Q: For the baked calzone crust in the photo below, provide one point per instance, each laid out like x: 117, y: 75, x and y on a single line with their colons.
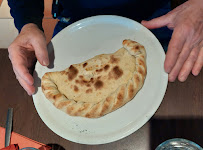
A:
x: 99, y: 85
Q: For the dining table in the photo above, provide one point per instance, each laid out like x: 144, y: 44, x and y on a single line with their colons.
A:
x: 180, y: 115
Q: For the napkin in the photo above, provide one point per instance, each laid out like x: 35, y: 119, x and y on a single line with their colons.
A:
x: 21, y: 141
x: 11, y: 147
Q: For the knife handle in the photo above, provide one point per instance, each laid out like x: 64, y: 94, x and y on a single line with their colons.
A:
x: 8, y: 126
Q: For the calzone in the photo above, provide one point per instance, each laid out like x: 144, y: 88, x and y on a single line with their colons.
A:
x: 99, y: 85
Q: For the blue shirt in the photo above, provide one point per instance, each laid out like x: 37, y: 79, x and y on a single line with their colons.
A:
x: 31, y: 11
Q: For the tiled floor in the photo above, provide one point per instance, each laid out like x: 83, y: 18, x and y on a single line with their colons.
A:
x: 8, y: 30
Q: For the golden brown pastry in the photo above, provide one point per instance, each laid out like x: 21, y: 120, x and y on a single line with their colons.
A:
x: 99, y: 85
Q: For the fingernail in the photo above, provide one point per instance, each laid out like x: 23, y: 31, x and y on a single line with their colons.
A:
x: 45, y: 62
x: 167, y: 70
x: 182, y: 78
x: 28, y: 93
x: 171, y: 78
x: 195, y: 73
x: 143, y: 21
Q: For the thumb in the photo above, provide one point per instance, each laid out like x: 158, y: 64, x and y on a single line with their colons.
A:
x: 41, y: 51
x: 157, y: 22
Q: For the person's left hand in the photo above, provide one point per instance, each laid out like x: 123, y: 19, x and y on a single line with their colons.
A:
x: 185, y: 49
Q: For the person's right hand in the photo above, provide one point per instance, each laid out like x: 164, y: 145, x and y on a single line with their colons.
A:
x: 29, y: 45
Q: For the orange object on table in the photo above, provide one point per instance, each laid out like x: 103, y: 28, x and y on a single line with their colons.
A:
x: 21, y: 141
x: 11, y: 147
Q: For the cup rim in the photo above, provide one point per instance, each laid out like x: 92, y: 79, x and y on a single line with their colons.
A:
x: 178, y: 139
x: 31, y: 148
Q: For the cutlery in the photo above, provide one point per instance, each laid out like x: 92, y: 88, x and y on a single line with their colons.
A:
x: 8, y: 126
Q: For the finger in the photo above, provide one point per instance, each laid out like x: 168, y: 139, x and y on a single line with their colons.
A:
x: 174, y: 48
x: 41, y: 52
x: 30, y: 89
x: 158, y: 22
x: 23, y: 72
x: 198, y: 64
x: 20, y: 67
x: 180, y: 61
x: 188, y: 65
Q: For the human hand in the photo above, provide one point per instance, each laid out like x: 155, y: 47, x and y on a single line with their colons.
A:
x: 185, y: 49
x: 28, y: 45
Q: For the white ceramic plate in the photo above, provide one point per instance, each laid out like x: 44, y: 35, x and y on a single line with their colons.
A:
x: 83, y: 40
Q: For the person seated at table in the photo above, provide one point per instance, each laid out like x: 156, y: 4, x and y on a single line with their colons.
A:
x: 185, y: 48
